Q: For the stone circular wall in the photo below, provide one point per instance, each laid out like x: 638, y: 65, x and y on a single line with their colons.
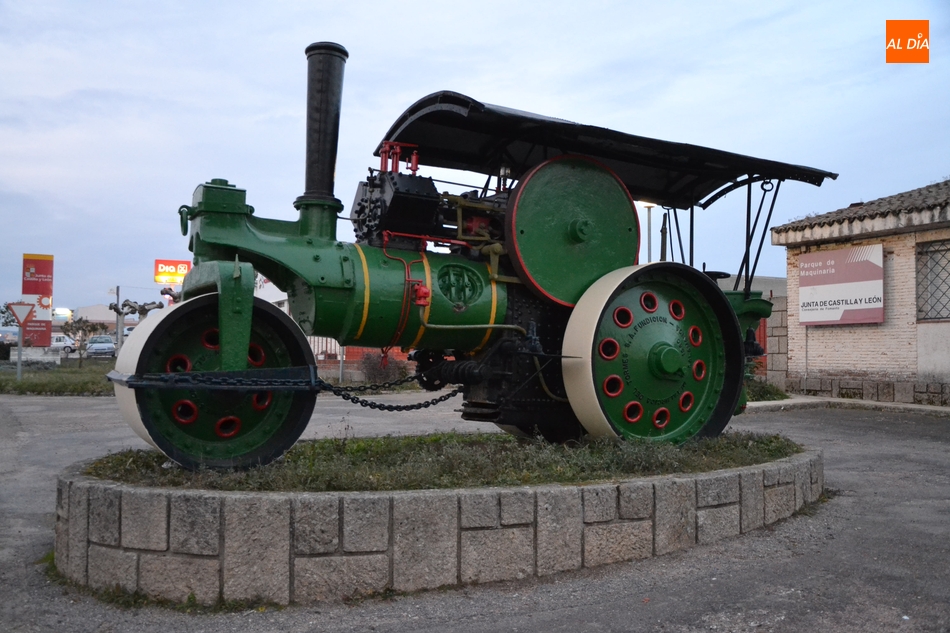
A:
x: 304, y: 547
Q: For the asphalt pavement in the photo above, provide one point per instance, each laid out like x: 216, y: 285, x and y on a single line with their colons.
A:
x: 876, y: 557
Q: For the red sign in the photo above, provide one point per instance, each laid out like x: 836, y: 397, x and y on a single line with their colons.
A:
x: 171, y: 271
x: 39, y: 332
x: 38, y: 275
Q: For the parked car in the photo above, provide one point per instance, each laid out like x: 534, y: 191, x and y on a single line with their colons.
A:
x: 63, y: 343
x: 127, y: 331
x: 100, y: 346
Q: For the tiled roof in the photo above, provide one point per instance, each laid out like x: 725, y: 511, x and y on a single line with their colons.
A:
x: 929, y: 197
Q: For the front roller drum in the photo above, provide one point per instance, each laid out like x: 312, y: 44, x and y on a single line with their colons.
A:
x: 205, y: 428
x: 653, y: 352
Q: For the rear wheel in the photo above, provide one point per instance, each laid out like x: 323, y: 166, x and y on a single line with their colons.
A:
x: 214, y: 428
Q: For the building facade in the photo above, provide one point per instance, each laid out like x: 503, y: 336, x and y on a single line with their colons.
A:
x: 904, y: 358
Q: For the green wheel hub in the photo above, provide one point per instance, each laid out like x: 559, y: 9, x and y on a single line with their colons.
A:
x: 659, y: 355
x: 218, y: 428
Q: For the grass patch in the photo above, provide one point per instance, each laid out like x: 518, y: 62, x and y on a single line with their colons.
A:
x: 90, y: 380
x: 760, y: 391
x: 450, y: 460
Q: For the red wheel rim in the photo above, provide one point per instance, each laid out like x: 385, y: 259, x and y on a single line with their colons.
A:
x: 633, y: 412
x: 648, y: 302
x: 699, y: 370
x: 661, y: 417
x: 609, y: 349
x: 613, y: 386
x: 256, y: 355
x: 686, y: 401
x: 178, y: 363
x: 261, y: 400
x: 211, y: 339
x: 184, y: 412
x: 227, y: 427
x: 623, y: 317
x: 695, y: 336
x: 677, y: 311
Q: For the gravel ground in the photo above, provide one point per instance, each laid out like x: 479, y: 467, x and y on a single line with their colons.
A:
x: 874, y: 558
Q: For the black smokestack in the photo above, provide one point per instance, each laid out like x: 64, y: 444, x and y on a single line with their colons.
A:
x: 325, y: 61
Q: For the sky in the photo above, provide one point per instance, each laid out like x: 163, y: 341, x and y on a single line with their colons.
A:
x: 111, y: 113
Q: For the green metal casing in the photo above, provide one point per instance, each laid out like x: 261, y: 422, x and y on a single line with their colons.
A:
x: 356, y: 294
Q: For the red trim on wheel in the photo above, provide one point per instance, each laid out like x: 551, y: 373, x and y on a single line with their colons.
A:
x: 256, y: 355
x: 686, y: 401
x: 176, y: 363
x: 665, y: 414
x: 623, y: 317
x: 211, y: 339
x: 259, y: 403
x: 184, y: 412
x: 695, y: 336
x: 676, y: 308
x: 699, y: 370
x: 227, y: 427
x: 629, y: 416
x: 649, y: 296
x: 609, y: 349
x: 613, y: 385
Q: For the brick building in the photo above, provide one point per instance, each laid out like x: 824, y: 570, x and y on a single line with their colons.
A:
x: 907, y: 357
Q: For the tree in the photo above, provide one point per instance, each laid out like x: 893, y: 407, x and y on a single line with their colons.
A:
x: 81, y: 328
x: 6, y: 316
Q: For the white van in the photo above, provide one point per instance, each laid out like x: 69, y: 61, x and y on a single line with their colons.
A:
x: 62, y: 343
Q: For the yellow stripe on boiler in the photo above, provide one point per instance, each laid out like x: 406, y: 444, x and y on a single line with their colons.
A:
x: 359, y: 332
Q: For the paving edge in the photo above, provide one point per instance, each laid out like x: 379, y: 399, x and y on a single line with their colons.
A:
x: 817, y: 402
x: 307, y: 547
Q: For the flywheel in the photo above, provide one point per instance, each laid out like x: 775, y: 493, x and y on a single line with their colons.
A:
x: 205, y: 428
x: 653, y: 352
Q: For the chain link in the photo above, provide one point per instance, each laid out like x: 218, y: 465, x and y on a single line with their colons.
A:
x: 187, y: 380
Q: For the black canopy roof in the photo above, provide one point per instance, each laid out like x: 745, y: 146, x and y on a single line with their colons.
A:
x: 457, y: 132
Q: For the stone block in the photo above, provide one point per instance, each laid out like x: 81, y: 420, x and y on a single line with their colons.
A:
x: 615, y: 542
x: 932, y: 399
x: 783, y: 345
x: 817, y: 477
x: 715, y: 524
x: 885, y: 391
x: 104, y: 500
x: 835, y: 388
x: 194, y: 523
x: 934, y: 387
x: 716, y: 489
x: 425, y: 540
x: 366, y: 522
x: 813, y: 384
x: 779, y: 503
x: 753, y: 500
x: 78, y: 531
x: 779, y: 362
x: 145, y: 519
x: 920, y: 387
x: 517, y: 506
x: 870, y: 390
x: 779, y: 305
x: 945, y: 396
x: 802, y: 482
x: 675, y: 521
x: 316, y: 523
x: 780, y: 331
x: 256, y: 557
x: 600, y: 503
x: 780, y: 472
x: 903, y: 392
x: 178, y: 577
x: 852, y: 384
x: 771, y: 346
x: 61, y: 527
x: 110, y: 568
x: 636, y: 500
x: 776, y: 378
x: 335, y: 577
x: 490, y: 555
x: 559, y: 529
x: 479, y: 508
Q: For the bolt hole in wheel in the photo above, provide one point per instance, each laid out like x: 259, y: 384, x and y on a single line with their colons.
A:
x: 623, y: 317
x: 211, y: 339
x: 633, y: 412
x: 609, y: 348
x: 681, y: 366
x: 214, y: 428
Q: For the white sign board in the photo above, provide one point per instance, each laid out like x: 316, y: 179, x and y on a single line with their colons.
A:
x: 842, y: 287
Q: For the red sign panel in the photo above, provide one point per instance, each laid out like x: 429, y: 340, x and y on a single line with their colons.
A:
x: 842, y: 287
x: 38, y: 332
x: 38, y: 275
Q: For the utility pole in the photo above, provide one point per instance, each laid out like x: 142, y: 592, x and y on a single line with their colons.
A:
x: 119, y: 324
x: 649, y: 232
